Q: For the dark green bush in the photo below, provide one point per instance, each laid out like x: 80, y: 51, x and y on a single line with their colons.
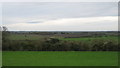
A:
x: 54, y: 44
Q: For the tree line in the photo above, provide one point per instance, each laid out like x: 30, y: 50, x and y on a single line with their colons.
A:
x: 55, y: 44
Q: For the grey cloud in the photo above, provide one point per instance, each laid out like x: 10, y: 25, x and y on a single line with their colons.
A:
x: 53, y: 11
x: 59, y: 9
x: 33, y: 22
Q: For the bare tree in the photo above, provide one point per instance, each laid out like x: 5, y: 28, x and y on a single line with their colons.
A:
x: 4, y: 33
x: 3, y: 28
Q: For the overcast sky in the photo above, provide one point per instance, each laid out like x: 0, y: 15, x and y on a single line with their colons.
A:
x: 59, y: 0
x: 74, y: 16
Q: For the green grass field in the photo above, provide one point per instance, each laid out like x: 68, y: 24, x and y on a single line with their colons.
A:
x: 25, y: 37
x: 60, y: 58
x: 37, y: 37
x: 70, y: 58
x: 115, y: 38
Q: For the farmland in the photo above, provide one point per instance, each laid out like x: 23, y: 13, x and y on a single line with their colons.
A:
x: 24, y: 37
x: 60, y: 49
x: 38, y: 37
x: 115, y: 38
x: 61, y: 58
x: 61, y: 41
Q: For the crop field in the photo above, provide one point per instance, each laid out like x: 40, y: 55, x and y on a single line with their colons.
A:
x: 59, y: 58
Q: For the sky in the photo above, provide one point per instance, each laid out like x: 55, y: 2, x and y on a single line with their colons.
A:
x: 60, y: 16
x: 59, y: 0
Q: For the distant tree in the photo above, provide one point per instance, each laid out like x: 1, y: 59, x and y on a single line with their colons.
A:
x: 4, y: 33
x: 4, y: 28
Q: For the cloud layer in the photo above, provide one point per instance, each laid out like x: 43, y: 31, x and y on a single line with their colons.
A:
x: 86, y: 16
x: 70, y: 24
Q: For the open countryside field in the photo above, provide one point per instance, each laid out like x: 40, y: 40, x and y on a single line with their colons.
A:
x: 39, y: 37
x: 115, y: 38
x: 32, y: 50
x: 59, y: 58
x: 25, y: 37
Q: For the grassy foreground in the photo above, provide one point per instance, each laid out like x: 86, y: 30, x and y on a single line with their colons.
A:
x: 59, y: 58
